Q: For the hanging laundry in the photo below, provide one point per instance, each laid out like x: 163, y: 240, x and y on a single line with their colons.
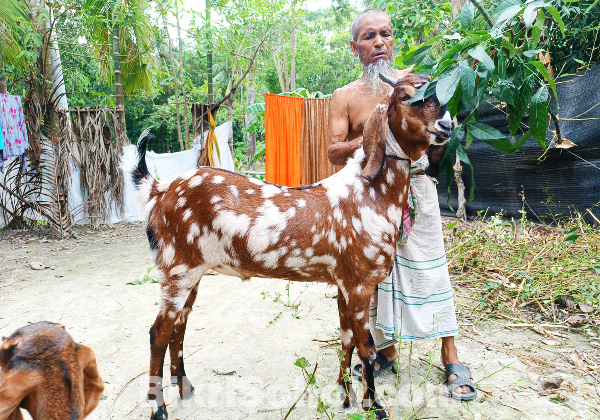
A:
x: 314, y: 141
x: 283, y: 123
x: 13, y: 127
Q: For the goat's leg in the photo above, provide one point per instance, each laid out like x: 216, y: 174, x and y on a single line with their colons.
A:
x: 178, y: 376
x: 358, y: 312
x: 346, y: 334
x: 160, y: 335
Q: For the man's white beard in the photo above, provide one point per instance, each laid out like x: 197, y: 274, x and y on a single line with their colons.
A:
x: 375, y: 85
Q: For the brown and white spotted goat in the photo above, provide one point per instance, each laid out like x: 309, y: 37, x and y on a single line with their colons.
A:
x: 341, y: 231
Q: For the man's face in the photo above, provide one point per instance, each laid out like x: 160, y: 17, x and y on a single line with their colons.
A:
x: 375, y: 40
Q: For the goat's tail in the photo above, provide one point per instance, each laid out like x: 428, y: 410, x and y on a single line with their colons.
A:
x: 143, y: 181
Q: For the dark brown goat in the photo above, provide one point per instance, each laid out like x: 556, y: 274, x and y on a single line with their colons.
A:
x: 48, y: 374
x: 341, y: 231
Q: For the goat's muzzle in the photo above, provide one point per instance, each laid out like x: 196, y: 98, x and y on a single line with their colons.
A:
x: 443, y: 130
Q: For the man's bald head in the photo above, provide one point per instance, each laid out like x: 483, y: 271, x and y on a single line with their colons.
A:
x: 357, y: 22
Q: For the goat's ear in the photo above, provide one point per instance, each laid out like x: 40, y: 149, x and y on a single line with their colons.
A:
x: 375, y: 135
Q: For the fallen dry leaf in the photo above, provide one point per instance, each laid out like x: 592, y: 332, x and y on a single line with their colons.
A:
x: 569, y: 387
x: 576, y: 359
x: 37, y: 266
x: 578, y: 319
x: 585, y: 307
x: 549, y: 342
x: 563, y: 395
x: 548, y: 385
x: 567, y: 301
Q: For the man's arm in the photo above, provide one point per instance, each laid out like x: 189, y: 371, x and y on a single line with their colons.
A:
x: 339, y: 123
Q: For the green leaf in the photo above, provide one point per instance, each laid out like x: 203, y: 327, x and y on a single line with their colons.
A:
x: 467, y: 14
x: 463, y: 45
x: 260, y: 153
x: 462, y: 155
x: 356, y: 416
x: 479, y: 53
x: 510, y: 47
x: 552, y: 10
x: 256, y: 108
x: 503, y: 6
x: 446, y: 86
x: 302, y: 362
x: 531, y: 53
x: 571, y: 239
x: 507, y: 14
x: 491, y: 136
x: 442, y: 67
x: 517, y: 145
x: 516, y: 115
x: 542, y: 69
x: 529, y: 15
x: 538, y: 116
x: 424, y: 92
x: 417, y: 55
x: 469, y: 140
x: 467, y: 78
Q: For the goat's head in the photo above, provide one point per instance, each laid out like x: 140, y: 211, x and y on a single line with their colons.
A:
x: 415, y: 126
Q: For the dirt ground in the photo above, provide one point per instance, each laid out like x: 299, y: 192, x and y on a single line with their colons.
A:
x: 242, y: 342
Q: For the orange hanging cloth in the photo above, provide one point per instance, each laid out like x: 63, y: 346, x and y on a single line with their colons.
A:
x: 283, y: 124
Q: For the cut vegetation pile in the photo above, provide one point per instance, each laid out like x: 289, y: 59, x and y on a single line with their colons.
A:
x: 512, y: 265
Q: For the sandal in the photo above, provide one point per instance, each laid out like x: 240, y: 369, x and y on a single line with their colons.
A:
x: 463, y: 378
x: 384, y: 363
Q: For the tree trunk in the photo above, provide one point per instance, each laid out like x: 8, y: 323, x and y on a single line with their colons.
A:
x: 461, y: 212
x: 277, y: 62
x: 456, y: 7
x: 3, y: 86
x: 176, y: 82
x: 251, y: 136
x: 293, y: 45
x: 58, y: 80
x: 285, y: 62
x: 230, y: 120
x: 119, y: 95
x: 209, y: 69
x: 185, y: 101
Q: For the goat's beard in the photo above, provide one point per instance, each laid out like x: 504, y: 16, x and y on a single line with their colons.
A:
x: 375, y: 86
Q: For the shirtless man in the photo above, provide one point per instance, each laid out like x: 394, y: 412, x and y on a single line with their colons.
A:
x: 349, y: 109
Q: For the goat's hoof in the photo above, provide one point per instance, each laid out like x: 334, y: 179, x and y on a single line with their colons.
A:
x: 160, y: 413
x: 380, y: 412
x: 186, y: 389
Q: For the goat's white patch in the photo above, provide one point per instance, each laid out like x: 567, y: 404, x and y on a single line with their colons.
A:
x: 234, y: 191
x: 366, y: 327
x: 168, y: 254
x: 360, y: 315
x: 218, y: 179
x: 370, y: 251
x: 380, y: 260
x: 359, y: 289
x: 162, y: 186
x: 197, y: 180
x: 180, y: 353
x: 295, y: 262
x: 214, y: 249
x: 231, y: 224
x: 268, y: 226
x: 383, y: 188
x: 301, y: 202
x: 295, y: 252
x: 309, y: 252
x: 149, y: 206
x: 316, y: 239
x: 188, y: 174
x: 215, y: 199
x: 340, y: 285
x: 293, y: 243
x: 180, y: 202
x: 256, y: 181
x: 343, y: 243
x: 404, y: 124
x: 372, y: 193
x: 337, y: 214
x: 346, y: 336
x: 332, y: 236
x: 375, y: 224
x: 432, y: 138
x: 178, y: 270
x: 269, y: 190
x: 287, y: 194
x: 186, y: 214
x: 389, y: 177
x: 357, y: 225
x: 271, y: 259
x: 193, y: 232
x: 250, y: 191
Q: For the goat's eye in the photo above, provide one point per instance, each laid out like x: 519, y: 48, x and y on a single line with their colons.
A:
x: 405, y: 98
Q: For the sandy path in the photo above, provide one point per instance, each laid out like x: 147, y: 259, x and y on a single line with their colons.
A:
x: 241, y: 365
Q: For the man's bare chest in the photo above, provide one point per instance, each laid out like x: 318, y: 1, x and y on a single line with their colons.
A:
x: 359, y: 112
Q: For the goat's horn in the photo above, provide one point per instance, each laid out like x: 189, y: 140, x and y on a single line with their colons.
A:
x: 389, y: 80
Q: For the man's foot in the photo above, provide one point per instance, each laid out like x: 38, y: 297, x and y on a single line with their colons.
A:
x: 385, y: 358
x: 450, y: 356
